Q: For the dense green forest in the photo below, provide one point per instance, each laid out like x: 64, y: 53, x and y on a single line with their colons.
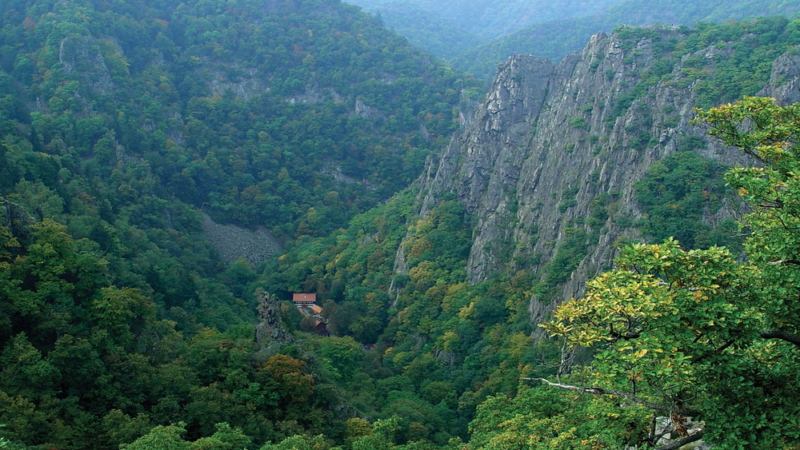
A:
x: 265, y: 108
x: 122, y: 121
x: 558, y: 38
x: 477, y: 338
x: 436, y: 34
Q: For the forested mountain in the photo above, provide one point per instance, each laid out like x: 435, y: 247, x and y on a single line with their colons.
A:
x: 557, y: 38
x: 561, y: 167
x: 436, y: 34
x: 449, y: 28
x: 121, y: 122
x: 437, y: 227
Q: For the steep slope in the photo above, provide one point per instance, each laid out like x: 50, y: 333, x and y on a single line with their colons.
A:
x: 241, y: 107
x: 549, y: 167
x: 556, y: 168
x: 121, y: 124
x: 558, y: 38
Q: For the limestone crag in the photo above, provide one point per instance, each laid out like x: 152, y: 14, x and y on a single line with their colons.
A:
x: 84, y: 56
x: 270, y: 334
x: 784, y: 84
x: 549, y: 140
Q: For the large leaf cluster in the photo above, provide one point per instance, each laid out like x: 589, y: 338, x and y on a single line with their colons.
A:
x: 699, y: 333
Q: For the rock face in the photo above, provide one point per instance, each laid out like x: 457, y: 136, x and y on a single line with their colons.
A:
x: 784, y: 83
x: 666, y: 427
x: 84, y: 56
x: 15, y: 219
x: 270, y: 332
x: 549, y: 140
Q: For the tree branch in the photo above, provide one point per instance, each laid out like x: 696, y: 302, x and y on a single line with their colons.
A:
x: 681, y: 442
x: 697, y: 359
x: 601, y: 391
x: 783, y: 261
x: 626, y: 336
x: 782, y: 335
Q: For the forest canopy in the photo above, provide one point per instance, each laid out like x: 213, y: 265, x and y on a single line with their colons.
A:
x: 701, y: 336
x: 123, y: 122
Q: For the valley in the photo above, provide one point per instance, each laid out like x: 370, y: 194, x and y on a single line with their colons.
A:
x: 279, y: 225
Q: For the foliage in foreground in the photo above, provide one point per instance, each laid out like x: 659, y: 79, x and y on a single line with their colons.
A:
x: 443, y: 345
x: 698, y: 334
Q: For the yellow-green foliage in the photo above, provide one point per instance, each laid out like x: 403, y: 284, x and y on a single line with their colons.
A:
x: 699, y: 333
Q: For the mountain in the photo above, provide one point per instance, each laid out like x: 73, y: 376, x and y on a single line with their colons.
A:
x: 303, y: 71
x: 451, y: 28
x: 488, y: 19
x: 436, y: 34
x: 555, y: 39
x: 558, y: 168
x: 133, y: 134
x: 156, y: 155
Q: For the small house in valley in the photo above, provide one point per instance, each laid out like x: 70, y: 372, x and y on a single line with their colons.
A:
x: 301, y: 300
x: 306, y: 304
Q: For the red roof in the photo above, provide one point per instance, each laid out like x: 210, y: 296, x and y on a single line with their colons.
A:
x: 304, y: 298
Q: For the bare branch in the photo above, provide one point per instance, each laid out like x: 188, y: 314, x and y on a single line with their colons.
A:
x: 782, y: 335
x: 674, y: 445
x: 690, y: 289
x: 786, y: 226
x: 601, y: 391
x: 783, y: 261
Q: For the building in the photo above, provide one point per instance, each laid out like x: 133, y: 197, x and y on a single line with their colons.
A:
x: 301, y: 300
x: 306, y: 305
x: 322, y: 328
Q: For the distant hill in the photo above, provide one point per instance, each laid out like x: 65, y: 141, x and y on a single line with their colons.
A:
x: 447, y: 29
x: 432, y: 32
x: 556, y: 39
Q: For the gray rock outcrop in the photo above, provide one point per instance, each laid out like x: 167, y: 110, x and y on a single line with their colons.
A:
x: 233, y: 243
x: 83, y: 56
x: 270, y: 334
x: 549, y: 140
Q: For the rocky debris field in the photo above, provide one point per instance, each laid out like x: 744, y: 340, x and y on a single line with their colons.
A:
x: 232, y: 242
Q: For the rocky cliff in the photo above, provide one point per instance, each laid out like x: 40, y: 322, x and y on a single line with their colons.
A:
x: 270, y: 334
x: 550, y: 158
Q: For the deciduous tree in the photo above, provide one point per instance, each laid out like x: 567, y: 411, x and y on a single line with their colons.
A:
x: 699, y: 334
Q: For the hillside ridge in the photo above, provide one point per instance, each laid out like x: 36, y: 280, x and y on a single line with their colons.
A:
x: 548, y: 142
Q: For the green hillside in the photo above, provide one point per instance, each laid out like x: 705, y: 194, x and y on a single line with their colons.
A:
x: 438, y: 334
x: 429, y: 31
x: 556, y: 39
x: 123, y: 122
x: 449, y: 29
x: 487, y: 19
x: 119, y: 122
